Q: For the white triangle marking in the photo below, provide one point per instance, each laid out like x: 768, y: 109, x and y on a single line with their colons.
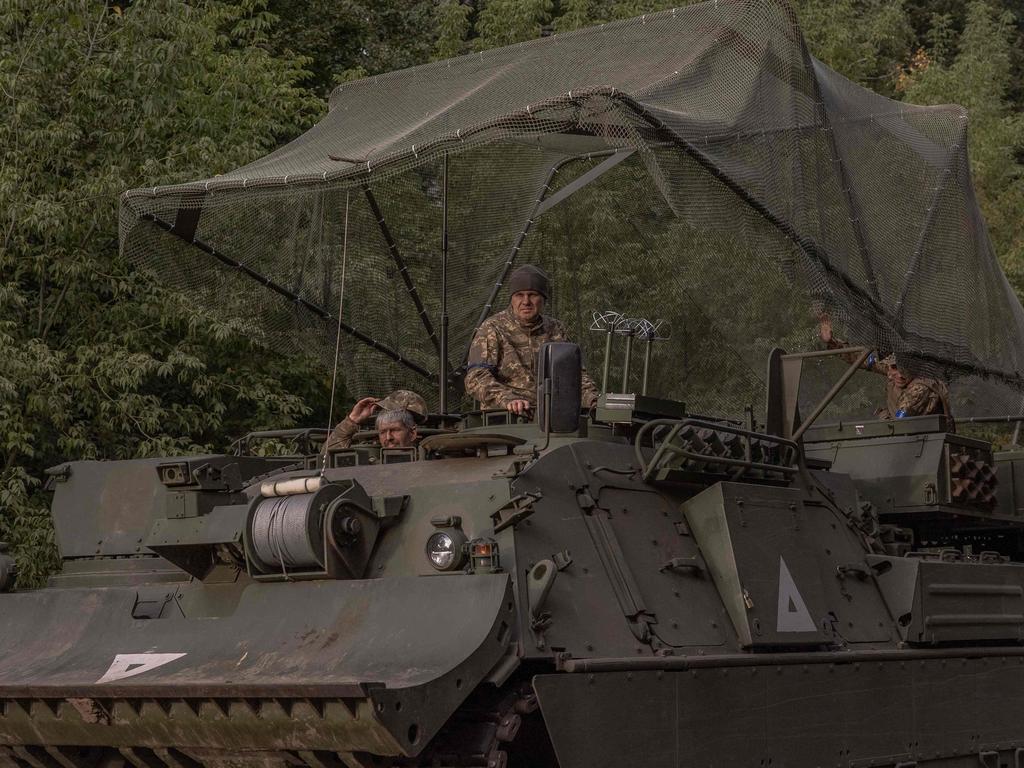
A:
x: 793, y: 615
x: 131, y: 664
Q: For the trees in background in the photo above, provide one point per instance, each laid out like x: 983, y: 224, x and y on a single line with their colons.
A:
x: 969, y: 52
x: 98, y: 361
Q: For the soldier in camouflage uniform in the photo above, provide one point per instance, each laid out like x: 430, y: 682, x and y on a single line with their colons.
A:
x: 502, y: 357
x: 398, y: 415
x: 905, y: 395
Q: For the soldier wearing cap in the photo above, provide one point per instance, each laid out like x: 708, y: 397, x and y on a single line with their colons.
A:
x: 398, y: 416
x: 905, y: 394
x: 500, y: 373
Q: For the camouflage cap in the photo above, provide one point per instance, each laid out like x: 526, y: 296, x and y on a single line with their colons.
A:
x: 407, y: 400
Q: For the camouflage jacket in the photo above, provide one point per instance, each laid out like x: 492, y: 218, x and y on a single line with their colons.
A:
x: 502, y: 358
x: 921, y: 396
x: 342, y: 435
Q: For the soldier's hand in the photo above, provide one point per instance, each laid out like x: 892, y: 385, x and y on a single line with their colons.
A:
x: 363, y: 409
x: 518, y: 407
x: 825, y: 328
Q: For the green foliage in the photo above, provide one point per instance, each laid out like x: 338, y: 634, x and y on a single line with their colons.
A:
x: 350, y: 39
x: 862, y: 39
x: 96, y: 361
x: 503, y: 22
x: 980, y: 77
x: 452, y: 25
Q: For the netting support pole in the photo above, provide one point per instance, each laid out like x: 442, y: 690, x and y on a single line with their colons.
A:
x: 648, y: 348
x: 915, y: 259
x: 607, y: 359
x: 515, y: 248
x: 442, y: 375
x: 626, y: 361
x: 862, y: 355
x: 403, y: 269
x: 805, y: 244
x: 615, y: 156
x: 852, y: 206
x: 279, y: 289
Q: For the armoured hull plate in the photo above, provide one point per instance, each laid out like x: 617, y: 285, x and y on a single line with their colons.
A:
x: 889, y: 712
x: 339, y: 665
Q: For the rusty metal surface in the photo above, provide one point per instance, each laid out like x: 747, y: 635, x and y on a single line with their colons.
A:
x: 398, y: 632
x: 377, y: 665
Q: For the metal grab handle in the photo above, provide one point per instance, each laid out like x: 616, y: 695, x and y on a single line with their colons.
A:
x: 648, y: 469
x: 302, y: 437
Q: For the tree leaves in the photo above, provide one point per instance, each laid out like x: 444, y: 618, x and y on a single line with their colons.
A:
x: 96, y: 360
x: 980, y: 77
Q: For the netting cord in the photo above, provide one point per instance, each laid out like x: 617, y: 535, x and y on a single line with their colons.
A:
x: 337, y: 339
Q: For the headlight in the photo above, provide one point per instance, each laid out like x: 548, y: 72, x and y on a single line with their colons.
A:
x: 445, y: 550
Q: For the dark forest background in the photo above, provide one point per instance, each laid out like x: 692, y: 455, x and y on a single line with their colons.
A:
x: 98, y: 362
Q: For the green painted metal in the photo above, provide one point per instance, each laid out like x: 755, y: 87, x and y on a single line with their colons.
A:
x: 608, y: 591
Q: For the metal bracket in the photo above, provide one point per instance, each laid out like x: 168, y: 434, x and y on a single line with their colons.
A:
x: 857, y: 570
x: 58, y: 474
x: 583, y: 180
x: 562, y: 560
x: 686, y: 564
x: 388, y: 508
x: 784, y: 371
x: 515, y: 510
x: 150, y: 603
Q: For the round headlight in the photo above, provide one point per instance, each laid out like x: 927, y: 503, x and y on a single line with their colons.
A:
x: 445, y: 550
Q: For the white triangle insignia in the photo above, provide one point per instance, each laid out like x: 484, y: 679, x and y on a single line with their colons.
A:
x: 131, y: 664
x: 793, y: 614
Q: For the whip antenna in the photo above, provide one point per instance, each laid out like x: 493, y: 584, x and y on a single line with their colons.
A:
x: 443, y: 352
x: 337, y: 338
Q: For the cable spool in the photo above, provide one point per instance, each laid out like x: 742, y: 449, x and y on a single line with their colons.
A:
x: 287, y: 532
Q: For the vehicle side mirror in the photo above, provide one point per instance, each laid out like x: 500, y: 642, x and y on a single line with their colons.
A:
x: 560, y: 363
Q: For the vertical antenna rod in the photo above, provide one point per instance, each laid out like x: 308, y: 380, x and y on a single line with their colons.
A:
x: 443, y: 352
x: 607, y: 358
x: 629, y: 354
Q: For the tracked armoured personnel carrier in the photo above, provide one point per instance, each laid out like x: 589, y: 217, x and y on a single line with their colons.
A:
x: 635, y: 584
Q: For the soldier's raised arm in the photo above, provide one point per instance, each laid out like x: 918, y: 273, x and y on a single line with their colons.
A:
x: 341, y: 436
x: 873, y: 363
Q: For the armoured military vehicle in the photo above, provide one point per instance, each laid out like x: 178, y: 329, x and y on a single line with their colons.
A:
x: 636, y: 584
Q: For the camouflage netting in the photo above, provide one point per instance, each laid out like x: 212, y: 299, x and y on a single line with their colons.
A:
x: 721, y: 179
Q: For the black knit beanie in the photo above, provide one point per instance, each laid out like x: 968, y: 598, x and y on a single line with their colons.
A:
x: 529, y: 278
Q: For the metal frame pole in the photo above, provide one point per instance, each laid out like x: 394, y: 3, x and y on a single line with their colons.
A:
x: 830, y: 396
x: 647, y: 362
x: 607, y: 359
x: 291, y: 296
x: 626, y: 362
x: 403, y: 269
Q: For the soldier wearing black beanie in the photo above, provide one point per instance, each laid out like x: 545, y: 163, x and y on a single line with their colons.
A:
x: 529, y: 278
x: 500, y: 374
